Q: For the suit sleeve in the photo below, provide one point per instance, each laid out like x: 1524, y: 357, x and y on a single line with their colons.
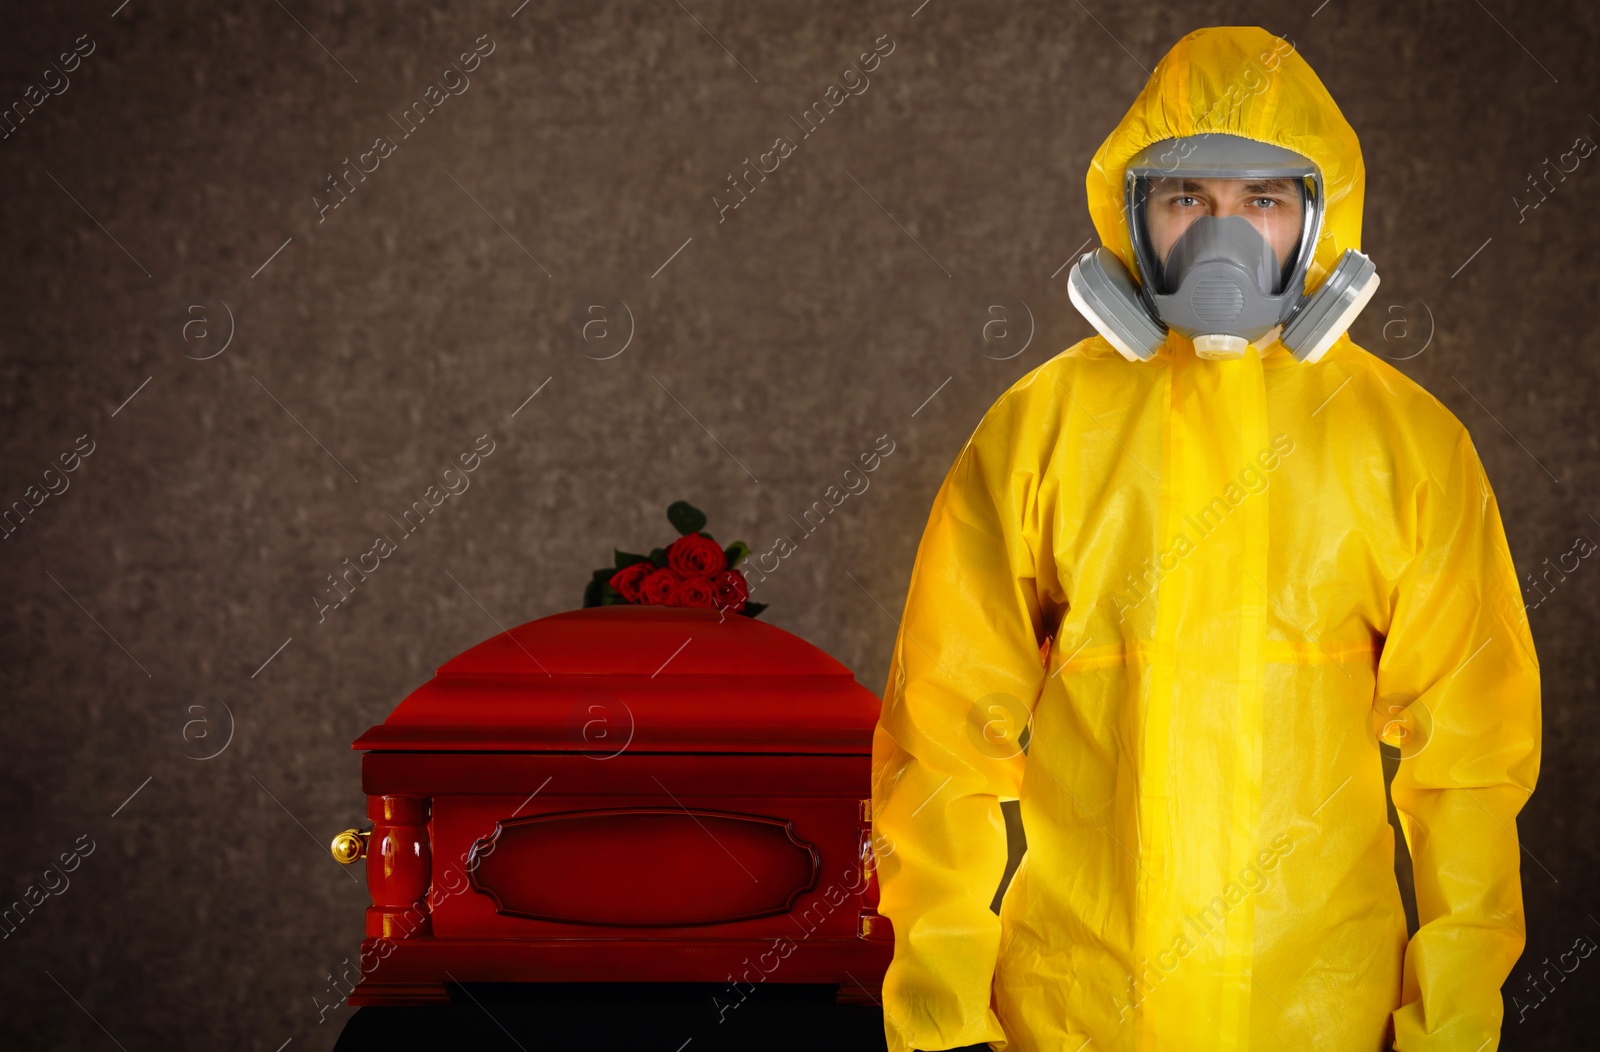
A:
x: 1460, y: 676
x: 965, y: 674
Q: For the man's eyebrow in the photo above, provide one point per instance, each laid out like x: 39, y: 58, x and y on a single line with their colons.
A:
x: 1268, y: 186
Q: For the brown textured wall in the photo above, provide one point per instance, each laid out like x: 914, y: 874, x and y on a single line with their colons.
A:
x: 181, y: 170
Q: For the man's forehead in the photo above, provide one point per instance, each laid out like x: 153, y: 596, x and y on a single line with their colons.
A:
x: 1248, y: 186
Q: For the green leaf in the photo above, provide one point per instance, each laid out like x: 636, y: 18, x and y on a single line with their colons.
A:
x: 591, y: 594
x: 752, y: 609
x: 735, y: 552
x: 626, y: 559
x: 605, y: 573
x: 685, y: 517
x: 658, y: 556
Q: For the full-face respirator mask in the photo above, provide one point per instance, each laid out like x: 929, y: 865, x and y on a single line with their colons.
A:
x: 1222, y: 284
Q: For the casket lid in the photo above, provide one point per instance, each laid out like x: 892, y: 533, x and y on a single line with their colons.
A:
x: 650, y: 678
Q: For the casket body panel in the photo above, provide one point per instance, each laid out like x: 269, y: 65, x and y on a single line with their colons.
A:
x: 629, y: 794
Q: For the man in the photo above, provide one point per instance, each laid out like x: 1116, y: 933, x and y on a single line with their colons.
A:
x: 1178, y: 585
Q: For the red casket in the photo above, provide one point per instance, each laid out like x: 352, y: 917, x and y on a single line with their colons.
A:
x: 628, y: 794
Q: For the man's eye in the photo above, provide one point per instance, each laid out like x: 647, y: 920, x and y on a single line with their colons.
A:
x: 1185, y: 201
x: 1266, y: 202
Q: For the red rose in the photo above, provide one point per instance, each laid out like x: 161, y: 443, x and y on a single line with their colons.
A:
x: 627, y: 580
x: 660, y: 586
x: 730, y: 589
x: 696, y: 591
x: 694, y: 555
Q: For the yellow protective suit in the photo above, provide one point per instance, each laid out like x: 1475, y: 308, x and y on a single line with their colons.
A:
x: 1207, y: 589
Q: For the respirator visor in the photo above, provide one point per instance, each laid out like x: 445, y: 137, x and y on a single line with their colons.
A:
x: 1223, y: 228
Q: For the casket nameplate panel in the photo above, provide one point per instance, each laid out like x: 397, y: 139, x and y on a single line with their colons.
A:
x: 643, y: 867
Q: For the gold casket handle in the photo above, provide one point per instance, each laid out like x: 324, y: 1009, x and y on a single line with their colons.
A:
x: 350, y: 846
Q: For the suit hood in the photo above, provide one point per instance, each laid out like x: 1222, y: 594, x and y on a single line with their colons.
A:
x: 1238, y: 80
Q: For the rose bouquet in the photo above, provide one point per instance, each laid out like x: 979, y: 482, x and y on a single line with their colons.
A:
x: 693, y: 570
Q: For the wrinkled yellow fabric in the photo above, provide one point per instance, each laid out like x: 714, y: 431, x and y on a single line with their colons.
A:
x: 1206, y: 588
